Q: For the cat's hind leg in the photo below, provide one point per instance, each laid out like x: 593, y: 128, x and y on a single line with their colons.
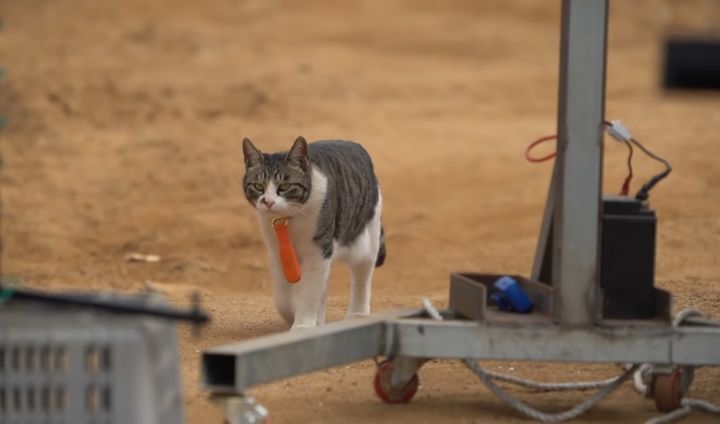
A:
x: 361, y: 273
x: 362, y: 260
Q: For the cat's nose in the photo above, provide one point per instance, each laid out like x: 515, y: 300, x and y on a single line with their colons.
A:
x: 268, y: 203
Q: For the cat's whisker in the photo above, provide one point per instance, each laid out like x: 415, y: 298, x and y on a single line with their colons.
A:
x: 302, y: 210
x: 299, y: 212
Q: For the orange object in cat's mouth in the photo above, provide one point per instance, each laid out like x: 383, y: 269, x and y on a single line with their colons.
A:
x: 288, y: 257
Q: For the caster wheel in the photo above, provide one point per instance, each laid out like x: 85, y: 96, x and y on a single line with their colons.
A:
x: 384, y: 389
x: 667, y: 391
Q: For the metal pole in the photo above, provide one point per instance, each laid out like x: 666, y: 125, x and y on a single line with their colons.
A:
x: 579, y: 161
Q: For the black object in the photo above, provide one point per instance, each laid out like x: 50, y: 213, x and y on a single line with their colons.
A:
x: 692, y: 63
x: 627, y: 262
x: 644, y: 191
x: 122, y: 306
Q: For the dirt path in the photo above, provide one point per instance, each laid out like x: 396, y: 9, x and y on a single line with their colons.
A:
x: 125, y: 121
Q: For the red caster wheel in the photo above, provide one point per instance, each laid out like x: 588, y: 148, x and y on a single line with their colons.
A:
x: 384, y: 389
x: 667, y: 391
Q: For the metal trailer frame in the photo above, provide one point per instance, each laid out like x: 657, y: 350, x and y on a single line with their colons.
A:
x: 566, y: 326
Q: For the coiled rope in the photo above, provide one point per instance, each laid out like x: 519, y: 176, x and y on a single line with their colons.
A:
x: 641, y: 375
x: 606, y: 386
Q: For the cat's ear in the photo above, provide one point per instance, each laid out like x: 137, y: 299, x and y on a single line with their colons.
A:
x: 253, y: 156
x: 298, y: 153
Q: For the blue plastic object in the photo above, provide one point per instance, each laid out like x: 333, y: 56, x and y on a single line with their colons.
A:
x: 510, y: 297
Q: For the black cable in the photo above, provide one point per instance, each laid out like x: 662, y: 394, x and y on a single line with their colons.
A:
x: 644, y: 191
x: 122, y: 306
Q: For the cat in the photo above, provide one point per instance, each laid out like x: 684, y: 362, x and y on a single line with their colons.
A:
x: 330, y: 193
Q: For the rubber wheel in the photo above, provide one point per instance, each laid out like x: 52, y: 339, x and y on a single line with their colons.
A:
x: 667, y: 391
x: 389, y: 394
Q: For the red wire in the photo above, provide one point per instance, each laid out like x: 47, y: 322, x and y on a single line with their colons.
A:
x: 626, y: 184
x: 535, y: 143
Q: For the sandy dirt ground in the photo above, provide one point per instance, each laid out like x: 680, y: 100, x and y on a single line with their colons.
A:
x: 124, y: 127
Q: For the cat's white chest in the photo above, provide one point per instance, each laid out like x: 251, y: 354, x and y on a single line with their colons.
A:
x: 301, y: 226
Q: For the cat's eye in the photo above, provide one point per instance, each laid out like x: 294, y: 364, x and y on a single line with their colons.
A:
x: 259, y: 187
x: 284, y: 187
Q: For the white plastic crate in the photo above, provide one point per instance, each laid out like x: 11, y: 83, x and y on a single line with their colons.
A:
x: 60, y: 365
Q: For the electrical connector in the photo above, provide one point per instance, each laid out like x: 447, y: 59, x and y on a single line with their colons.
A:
x: 619, y: 132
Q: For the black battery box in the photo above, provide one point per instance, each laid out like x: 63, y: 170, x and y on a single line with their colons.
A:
x: 627, y: 258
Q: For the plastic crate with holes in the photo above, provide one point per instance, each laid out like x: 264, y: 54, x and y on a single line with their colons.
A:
x: 62, y: 364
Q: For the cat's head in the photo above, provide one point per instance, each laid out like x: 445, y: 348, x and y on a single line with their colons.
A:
x: 277, y: 183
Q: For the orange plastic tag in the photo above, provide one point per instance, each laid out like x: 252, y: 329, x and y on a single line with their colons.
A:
x: 288, y: 257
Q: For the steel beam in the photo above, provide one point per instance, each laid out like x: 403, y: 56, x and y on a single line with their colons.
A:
x: 232, y: 368
x: 513, y: 341
x: 579, y: 161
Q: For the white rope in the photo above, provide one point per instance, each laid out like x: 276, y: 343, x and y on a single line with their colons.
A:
x: 531, y: 412
x: 552, y: 387
x: 430, y: 309
x: 606, y: 386
x: 641, y: 379
x: 687, y: 407
x: 683, y: 315
x: 670, y: 416
x: 643, y: 376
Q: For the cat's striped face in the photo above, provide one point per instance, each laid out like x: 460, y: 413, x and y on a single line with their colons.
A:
x: 277, y: 183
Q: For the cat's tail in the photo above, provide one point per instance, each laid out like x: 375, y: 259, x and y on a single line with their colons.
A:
x: 381, y: 251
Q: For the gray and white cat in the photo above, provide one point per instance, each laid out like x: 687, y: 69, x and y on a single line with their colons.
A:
x: 329, y: 192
